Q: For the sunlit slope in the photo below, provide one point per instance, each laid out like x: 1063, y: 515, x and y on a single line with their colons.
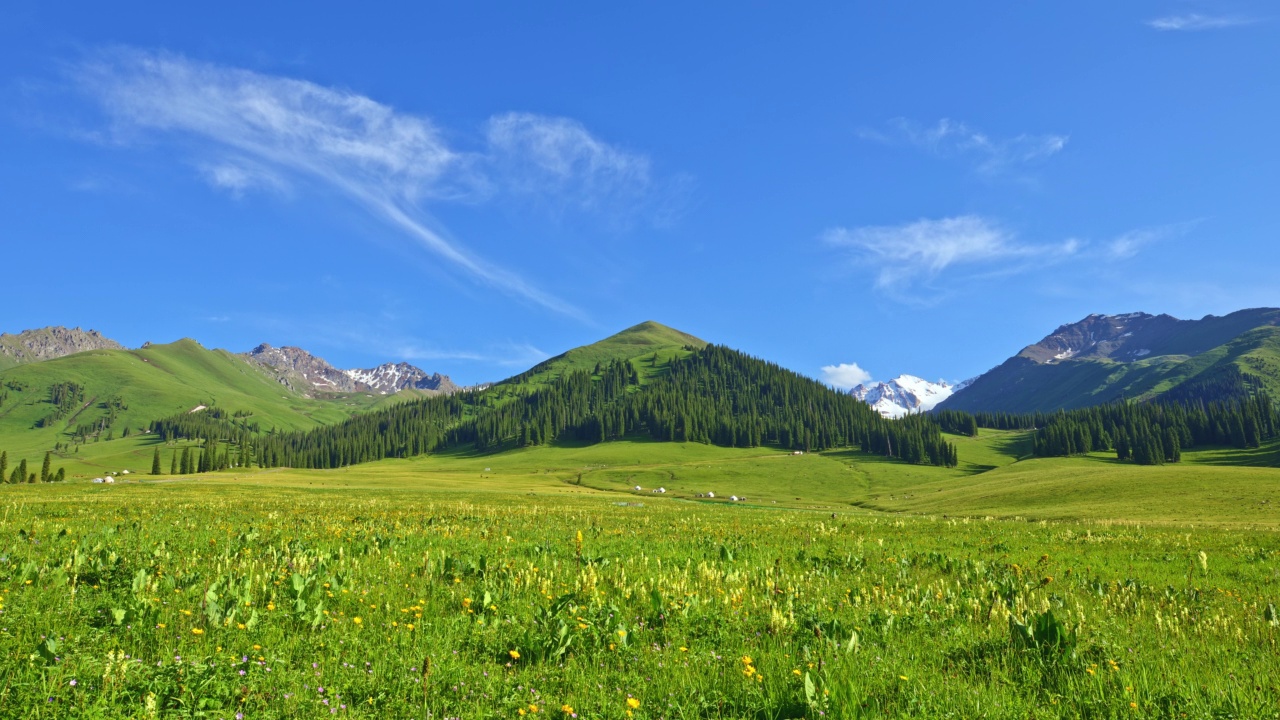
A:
x: 148, y: 384
x: 1021, y: 385
x: 638, y: 343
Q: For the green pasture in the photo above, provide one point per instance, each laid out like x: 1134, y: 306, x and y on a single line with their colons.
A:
x: 424, y: 589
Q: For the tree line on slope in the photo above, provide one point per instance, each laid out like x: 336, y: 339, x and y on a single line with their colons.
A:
x: 714, y: 395
x: 1156, y: 433
x: 22, y: 473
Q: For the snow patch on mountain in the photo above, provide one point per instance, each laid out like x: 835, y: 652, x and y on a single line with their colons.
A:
x: 904, y: 394
x: 394, y: 377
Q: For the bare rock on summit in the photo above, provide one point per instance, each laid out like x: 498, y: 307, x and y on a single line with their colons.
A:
x: 305, y: 373
x: 50, y: 343
x: 394, y: 377
x: 301, y: 371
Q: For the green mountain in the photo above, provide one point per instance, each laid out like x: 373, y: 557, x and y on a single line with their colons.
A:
x: 1104, y: 358
x: 107, y: 394
x: 639, y: 343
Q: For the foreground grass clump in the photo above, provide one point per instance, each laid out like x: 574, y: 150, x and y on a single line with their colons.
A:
x: 210, y: 601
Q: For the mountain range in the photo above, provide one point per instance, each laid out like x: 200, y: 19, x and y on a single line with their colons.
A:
x: 294, y: 367
x: 59, y: 385
x: 1138, y: 356
x: 303, y: 372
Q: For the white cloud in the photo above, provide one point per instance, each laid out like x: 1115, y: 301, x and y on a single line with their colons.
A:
x: 948, y: 138
x: 920, y: 251
x: 845, y: 375
x: 545, y: 153
x: 1130, y: 243
x: 1195, y: 21
x: 266, y: 132
x: 238, y: 178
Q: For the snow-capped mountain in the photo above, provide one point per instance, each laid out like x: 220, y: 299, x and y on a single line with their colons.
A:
x: 903, y: 395
x: 394, y: 377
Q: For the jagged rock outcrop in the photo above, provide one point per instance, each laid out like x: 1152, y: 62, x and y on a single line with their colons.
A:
x: 50, y: 343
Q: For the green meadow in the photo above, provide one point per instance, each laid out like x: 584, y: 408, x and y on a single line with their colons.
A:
x: 539, y: 582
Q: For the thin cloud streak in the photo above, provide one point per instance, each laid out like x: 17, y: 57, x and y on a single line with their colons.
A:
x: 918, y: 252
x: 949, y: 138
x: 268, y: 131
x: 1193, y: 22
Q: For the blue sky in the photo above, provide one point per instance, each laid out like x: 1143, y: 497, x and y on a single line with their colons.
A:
x: 908, y: 188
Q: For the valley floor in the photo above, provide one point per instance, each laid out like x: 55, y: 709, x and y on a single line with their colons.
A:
x: 996, y: 478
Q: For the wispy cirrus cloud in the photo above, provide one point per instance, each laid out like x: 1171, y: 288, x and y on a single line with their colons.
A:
x: 1191, y: 22
x: 917, y: 262
x: 917, y: 253
x: 251, y: 131
x: 1130, y: 243
x: 844, y: 375
x: 990, y: 156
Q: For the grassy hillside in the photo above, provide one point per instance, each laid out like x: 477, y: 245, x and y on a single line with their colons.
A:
x: 1021, y: 385
x: 638, y: 343
x: 145, y: 385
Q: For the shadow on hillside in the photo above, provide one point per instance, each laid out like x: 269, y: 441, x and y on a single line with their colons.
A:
x: 1017, y: 447
x: 1265, y: 456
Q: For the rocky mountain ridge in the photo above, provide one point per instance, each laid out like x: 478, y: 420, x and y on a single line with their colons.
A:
x: 305, y: 373
x: 50, y: 343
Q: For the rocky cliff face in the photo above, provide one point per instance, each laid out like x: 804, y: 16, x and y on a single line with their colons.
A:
x: 51, y: 342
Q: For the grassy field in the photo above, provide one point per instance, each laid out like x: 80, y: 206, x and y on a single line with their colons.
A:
x: 539, y: 580
x: 435, y: 588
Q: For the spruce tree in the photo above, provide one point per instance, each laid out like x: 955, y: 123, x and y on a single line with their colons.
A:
x: 46, y: 467
x: 173, y: 463
x: 155, y: 462
x: 4, y: 465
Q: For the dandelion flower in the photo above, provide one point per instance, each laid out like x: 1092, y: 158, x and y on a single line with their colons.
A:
x: 197, y: 631
x: 902, y: 678
x: 633, y: 703
x: 567, y: 709
x: 515, y: 655
x: 357, y: 620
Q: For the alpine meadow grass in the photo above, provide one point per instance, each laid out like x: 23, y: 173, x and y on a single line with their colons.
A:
x: 223, y: 601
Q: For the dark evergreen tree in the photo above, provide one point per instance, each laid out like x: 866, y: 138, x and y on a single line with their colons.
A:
x: 155, y: 462
x: 46, y: 467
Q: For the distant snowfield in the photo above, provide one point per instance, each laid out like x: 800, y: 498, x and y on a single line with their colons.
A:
x: 903, y: 395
